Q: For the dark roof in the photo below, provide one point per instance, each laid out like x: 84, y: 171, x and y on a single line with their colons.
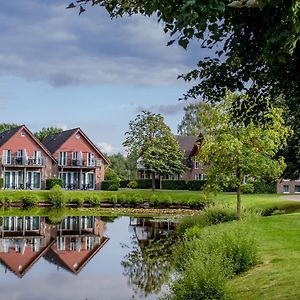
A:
x: 6, y: 135
x: 186, y: 143
x: 53, y: 142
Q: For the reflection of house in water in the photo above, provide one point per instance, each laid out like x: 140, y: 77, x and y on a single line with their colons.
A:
x: 23, y: 241
x: 78, y: 239
x: 70, y: 245
x: 150, y: 229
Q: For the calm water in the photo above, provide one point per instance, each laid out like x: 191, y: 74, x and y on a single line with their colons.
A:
x: 83, y: 258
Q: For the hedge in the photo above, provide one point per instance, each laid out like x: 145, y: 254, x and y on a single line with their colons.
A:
x: 264, y: 187
x: 51, y: 182
x: 123, y: 183
x: 1, y: 183
x: 174, y: 184
x: 107, y: 183
x: 195, y: 185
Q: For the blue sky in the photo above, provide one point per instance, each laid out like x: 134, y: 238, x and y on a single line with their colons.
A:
x: 88, y: 71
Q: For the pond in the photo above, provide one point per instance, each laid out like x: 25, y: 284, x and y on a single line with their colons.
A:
x: 84, y: 257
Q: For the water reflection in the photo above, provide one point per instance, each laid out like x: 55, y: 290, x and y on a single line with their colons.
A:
x: 70, y: 257
x: 149, y: 263
x: 69, y: 245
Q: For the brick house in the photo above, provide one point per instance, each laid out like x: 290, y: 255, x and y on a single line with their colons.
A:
x: 25, y: 161
x: 194, y: 171
x: 287, y: 186
x: 80, y: 164
x: 70, y: 245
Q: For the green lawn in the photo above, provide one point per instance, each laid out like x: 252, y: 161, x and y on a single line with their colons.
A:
x: 277, y: 277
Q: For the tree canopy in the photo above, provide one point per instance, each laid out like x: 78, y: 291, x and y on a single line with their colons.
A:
x: 191, y: 123
x: 151, y: 141
x: 232, y: 150
x: 44, y: 132
x: 7, y: 126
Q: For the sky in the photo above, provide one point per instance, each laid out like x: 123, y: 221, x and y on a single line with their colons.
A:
x: 61, y: 69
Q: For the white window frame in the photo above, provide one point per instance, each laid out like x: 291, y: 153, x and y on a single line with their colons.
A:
x: 63, y: 158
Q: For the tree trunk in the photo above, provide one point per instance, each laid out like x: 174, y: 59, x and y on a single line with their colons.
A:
x: 153, y: 181
x: 238, y: 202
x: 160, y: 182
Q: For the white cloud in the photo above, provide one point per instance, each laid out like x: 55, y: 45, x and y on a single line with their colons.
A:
x: 44, y: 41
x: 107, y: 148
x: 63, y: 126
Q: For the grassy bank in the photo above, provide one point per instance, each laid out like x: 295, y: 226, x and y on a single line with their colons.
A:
x: 276, y: 277
x: 127, y: 198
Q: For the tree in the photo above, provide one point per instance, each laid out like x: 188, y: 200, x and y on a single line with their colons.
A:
x: 44, y: 132
x: 254, y: 49
x: 191, y: 123
x: 151, y: 141
x: 121, y: 165
x: 232, y: 150
x: 7, y: 126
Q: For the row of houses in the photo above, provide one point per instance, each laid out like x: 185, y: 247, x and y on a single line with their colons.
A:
x: 70, y: 245
x: 26, y: 162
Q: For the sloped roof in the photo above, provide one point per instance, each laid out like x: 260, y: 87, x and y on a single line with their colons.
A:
x: 186, y: 143
x: 54, y: 141
x: 6, y: 135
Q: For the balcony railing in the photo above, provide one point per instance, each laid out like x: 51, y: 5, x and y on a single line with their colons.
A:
x: 23, y: 161
x: 92, y: 163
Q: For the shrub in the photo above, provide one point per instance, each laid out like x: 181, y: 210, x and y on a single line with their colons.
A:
x: 29, y: 200
x: 113, y: 199
x: 113, y: 187
x: 166, y: 200
x: 264, y: 187
x: 174, y: 184
x: 153, y: 200
x: 124, y: 183
x: 57, y: 196
x: 195, y: 185
x: 107, y: 183
x: 132, y: 184
x: 147, y: 183
x: 209, y: 258
x: 247, y: 188
x: 51, y: 182
x: 1, y: 182
x: 93, y: 200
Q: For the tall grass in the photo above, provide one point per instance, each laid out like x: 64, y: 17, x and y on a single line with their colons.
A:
x: 208, y: 257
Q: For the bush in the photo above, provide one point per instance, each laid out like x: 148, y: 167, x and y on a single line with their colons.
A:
x: 29, y: 200
x: 51, y: 182
x: 57, y: 197
x: 132, y: 184
x: 195, y: 185
x: 147, y: 183
x: 107, y: 183
x: 113, y: 187
x: 213, y: 255
x: 1, y: 182
x: 247, y: 188
x: 173, y: 184
x: 93, y: 200
x: 153, y: 200
x: 124, y: 183
x: 264, y: 187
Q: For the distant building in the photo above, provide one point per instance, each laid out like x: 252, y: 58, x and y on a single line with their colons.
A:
x: 194, y: 170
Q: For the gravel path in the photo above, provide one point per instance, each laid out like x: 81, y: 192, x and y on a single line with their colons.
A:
x: 291, y: 197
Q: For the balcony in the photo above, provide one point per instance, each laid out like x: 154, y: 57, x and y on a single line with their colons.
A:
x: 21, y: 161
x: 80, y: 163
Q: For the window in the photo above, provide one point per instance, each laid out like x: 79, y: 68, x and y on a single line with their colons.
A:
x: 37, y: 157
x: 286, y: 188
x: 91, y: 159
x: 6, y: 158
x: 297, y: 188
x: 36, y: 180
x: 196, y: 164
x: 91, y: 180
x: 63, y: 158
